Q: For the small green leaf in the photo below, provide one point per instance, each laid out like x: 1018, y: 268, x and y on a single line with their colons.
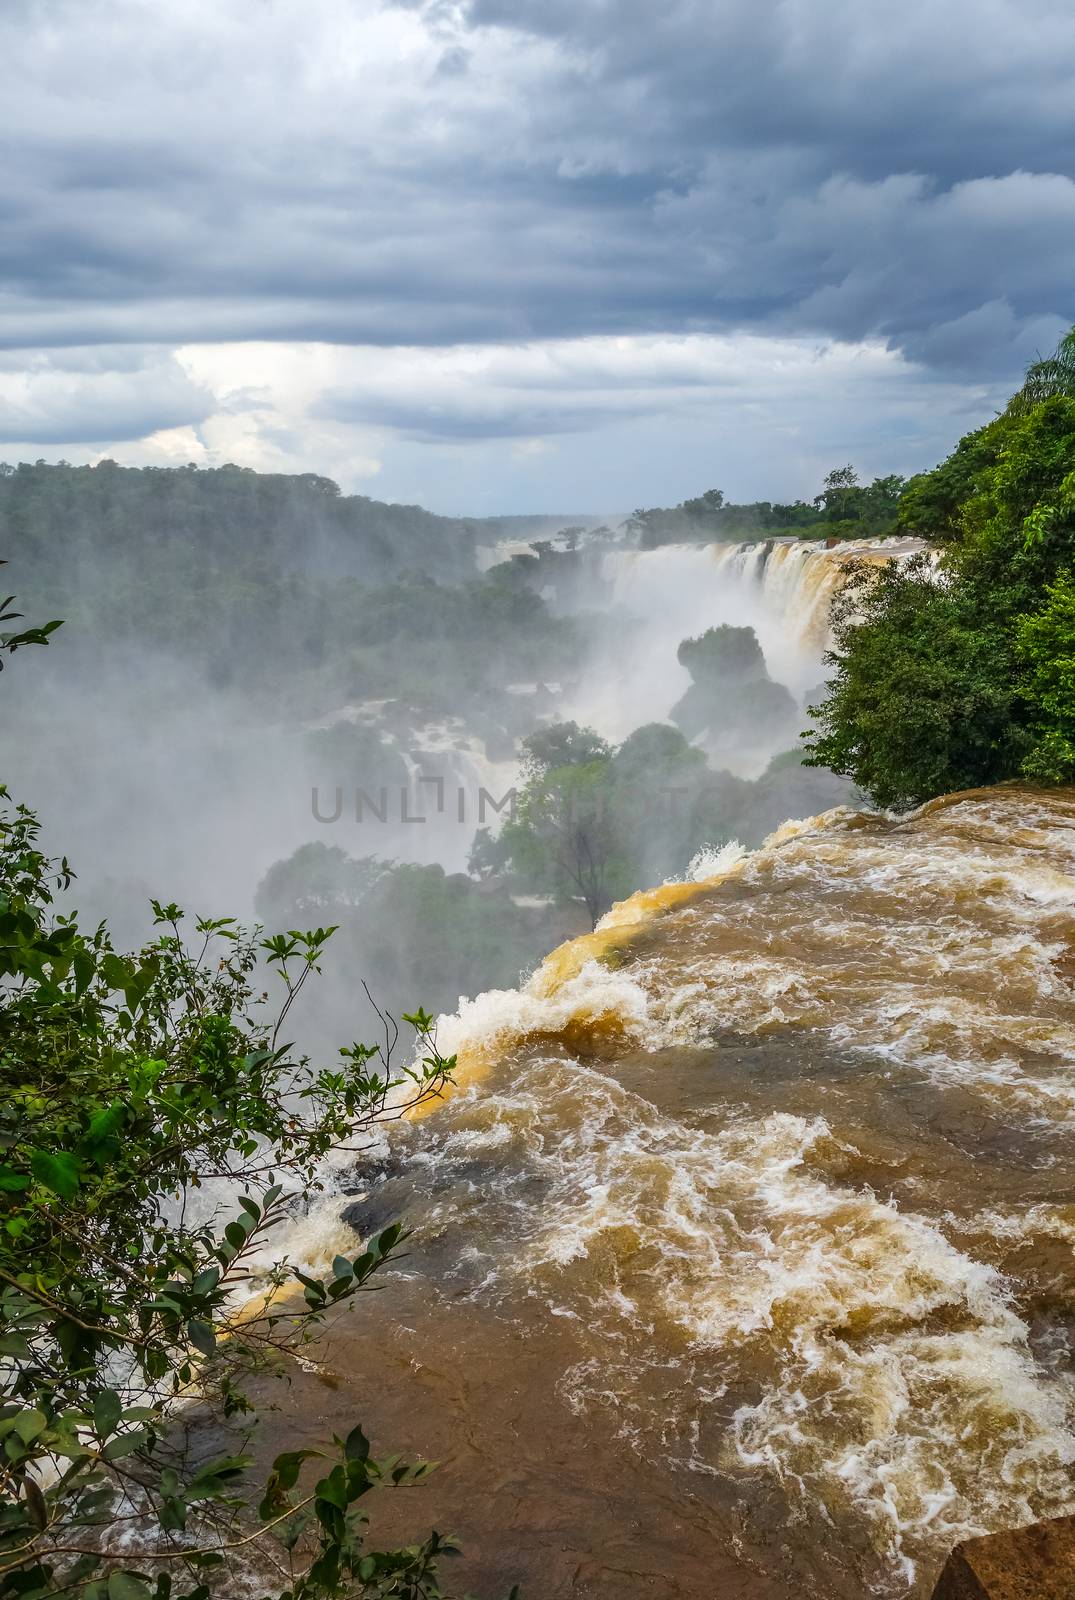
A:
x: 236, y: 1235
x: 105, y: 1125
x: 124, y: 1444
x: 107, y: 1410
x: 215, y: 1476
x: 201, y: 1336
x: 356, y: 1446
x: 127, y: 1586
x: 333, y: 1489
x: 173, y: 1514
x: 28, y: 1424
x: 57, y: 1172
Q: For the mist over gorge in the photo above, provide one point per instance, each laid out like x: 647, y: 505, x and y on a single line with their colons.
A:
x: 321, y: 674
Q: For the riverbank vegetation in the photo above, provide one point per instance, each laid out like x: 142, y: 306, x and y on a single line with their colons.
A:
x: 960, y: 671
x: 843, y: 509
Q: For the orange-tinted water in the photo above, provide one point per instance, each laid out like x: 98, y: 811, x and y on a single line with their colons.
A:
x: 744, y: 1250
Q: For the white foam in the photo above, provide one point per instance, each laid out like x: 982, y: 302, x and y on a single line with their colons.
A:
x: 500, y: 1018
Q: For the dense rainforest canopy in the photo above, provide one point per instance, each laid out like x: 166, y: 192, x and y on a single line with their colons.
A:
x: 273, y: 584
x: 844, y: 509
x: 960, y: 671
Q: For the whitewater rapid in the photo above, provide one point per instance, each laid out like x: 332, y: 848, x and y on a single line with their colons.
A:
x: 768, y: 1183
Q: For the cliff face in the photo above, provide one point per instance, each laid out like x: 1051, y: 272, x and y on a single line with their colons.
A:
x: 767, y: 1183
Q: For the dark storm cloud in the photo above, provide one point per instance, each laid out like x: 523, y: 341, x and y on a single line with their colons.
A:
x: 952, y: 88
x: 533, y: 168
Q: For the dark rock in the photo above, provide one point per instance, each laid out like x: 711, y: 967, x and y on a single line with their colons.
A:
x: 1034, y: 1563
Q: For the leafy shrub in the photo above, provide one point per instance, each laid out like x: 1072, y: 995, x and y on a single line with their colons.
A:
x: 155, y: 1133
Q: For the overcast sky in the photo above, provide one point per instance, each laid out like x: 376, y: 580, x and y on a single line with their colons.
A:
x: 508, y: 255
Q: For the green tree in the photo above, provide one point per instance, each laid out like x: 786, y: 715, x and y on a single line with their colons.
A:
x: 563, y: 841
x: 732, y: 693
x: 317, y: 879
x: 1045, y: 644
x: 854, y: 510
x: 661, y: 800
x: 721, y: 653
x: 594, y: 828
x: 707, y: 505
x: 563, y: 744
x: 1049, y: 376
x: 405, y: 927
x: 952, y: 675
x: 922, y: 697
x: 132, y: 1085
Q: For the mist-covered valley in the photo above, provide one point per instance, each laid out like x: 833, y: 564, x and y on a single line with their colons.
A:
x: 272, y: 701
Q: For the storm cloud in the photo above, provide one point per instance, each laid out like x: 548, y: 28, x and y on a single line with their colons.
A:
x: 514, y: 173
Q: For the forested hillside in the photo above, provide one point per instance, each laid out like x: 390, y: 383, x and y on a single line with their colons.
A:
x: 266, y: 582
x: 844, y: 508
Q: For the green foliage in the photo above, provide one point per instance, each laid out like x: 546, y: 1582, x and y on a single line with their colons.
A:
x: 732, y: 694
x: 708, y: 504
x: 957, y: 675
x: 563, y: 840
x: 563, y: 744
x: 276, y: 585
x: 845, y: 509
x: 402, y: 924
x: 922, y: 698
x: 1019, y: 523
x: 859, y: 511
x: 317, y: 878
x: 154, y: 1132
x: 931, y: 506
x: 666, y: 804
x: 721, y: 653
x: 593, y: 824
x: 1049, y: 377
x: 1045, y: 644
x: 16, y: 640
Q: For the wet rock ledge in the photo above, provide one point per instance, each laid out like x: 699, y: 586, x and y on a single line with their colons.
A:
x: 1035, y: 1563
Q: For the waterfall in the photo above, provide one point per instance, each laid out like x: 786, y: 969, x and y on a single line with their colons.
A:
x: 783, y: 588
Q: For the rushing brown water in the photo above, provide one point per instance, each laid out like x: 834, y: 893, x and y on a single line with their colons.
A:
x: 744, y: 1258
